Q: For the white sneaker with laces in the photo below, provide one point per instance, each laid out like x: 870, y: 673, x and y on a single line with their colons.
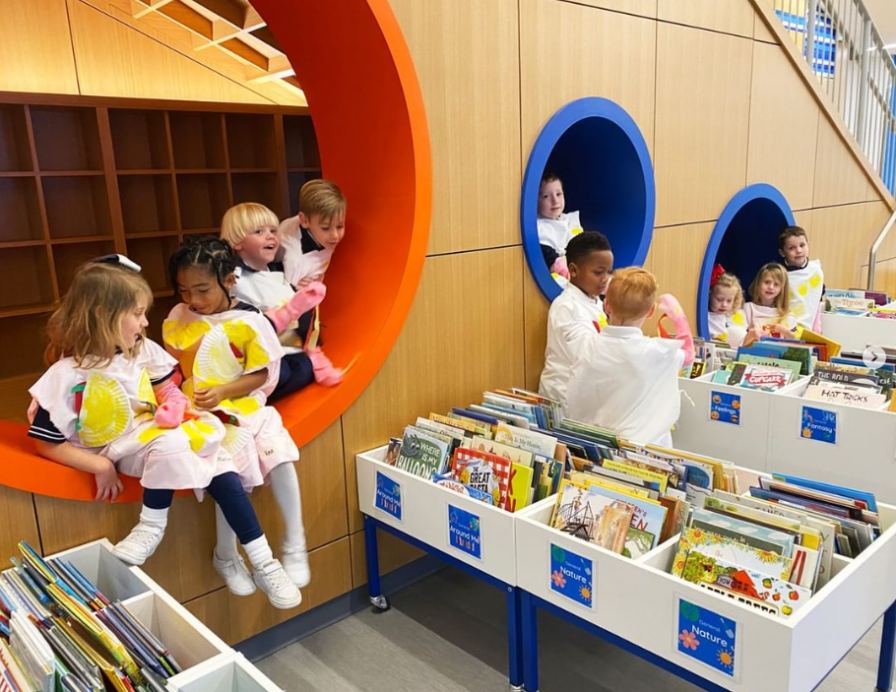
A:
x: 273, y: 580
x: 139, y: 544
x: 295, y: 562
x: 235, y: 575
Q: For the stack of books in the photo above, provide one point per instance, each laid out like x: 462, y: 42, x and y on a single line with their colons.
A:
x: 851, y: 385
x: 59, y: 633
x: 857, y: 302
x: 773, y: 548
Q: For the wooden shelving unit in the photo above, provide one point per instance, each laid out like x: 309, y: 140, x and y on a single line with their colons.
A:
x: 81, y: 177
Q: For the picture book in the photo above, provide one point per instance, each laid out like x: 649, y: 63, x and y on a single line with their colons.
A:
x: 784, y: 541
x: 867, y: 499
x: 483, y: 471
x: 503, y: 415
x: 466, y: 426
x: 528, y: 440
x: 592, y: 517
x: 758, y: 543
x: 791, y: 365
x: 423, y: 453
x: 622, y: 466
x: 762, y: 377
x: 638, y: 543
x: 845, y: 394
x: 453, y: 484
x: 810, y: 337
x: 589, y: 479
x: 733, y: 552
x: 514, y: 454
x: 648, y: 515
x: 520, y: 489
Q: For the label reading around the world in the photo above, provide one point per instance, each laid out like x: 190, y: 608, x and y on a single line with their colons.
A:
x: 464, y: 531
x: 387, y: 495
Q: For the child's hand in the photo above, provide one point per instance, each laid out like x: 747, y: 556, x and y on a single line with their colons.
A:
x: 306, y: 298
x: 209, y: 398
x: 781, y: 332
x: 108, y: 484
x: 171, y: 413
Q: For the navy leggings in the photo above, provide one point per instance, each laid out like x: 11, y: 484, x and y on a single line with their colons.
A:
x: 228, y: 492
x: 296, y: 372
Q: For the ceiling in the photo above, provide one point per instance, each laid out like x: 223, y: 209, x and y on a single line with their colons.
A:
x: 883, y: 14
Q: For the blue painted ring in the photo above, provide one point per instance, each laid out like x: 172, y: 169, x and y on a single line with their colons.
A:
x: 601, y: 157
x: 744, y: 238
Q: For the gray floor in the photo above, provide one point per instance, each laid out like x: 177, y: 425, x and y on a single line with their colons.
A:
x: 446, y: 634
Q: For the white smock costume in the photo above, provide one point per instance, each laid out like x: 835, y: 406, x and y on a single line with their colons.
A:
x: 109, y: 411
x: 268, y: 290
x: 573, y: 318
x: 303, y: 258
x: 628, y: 383
x: 764, y: 317
x: 806, y: 289
x: 219, y: 349
x: 732, y: 329
x: 556, y: 233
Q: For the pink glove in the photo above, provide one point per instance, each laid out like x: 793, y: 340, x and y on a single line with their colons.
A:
x: 559, y: 267
x: 173, y: 405
x: 816, y: 325
x: 671, y: 308
x: 304, y: 299
x: 324, y: 372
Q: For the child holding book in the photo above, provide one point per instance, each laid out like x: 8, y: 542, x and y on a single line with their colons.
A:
x: 110, y: 403
x: 252, y: 231
x: 577, y: 314
x: 726, y: 318
x: 555, y: 228
x: 231, y: 355
x: 768, y: 313
x: 805, y: 276
x: 624, y: 380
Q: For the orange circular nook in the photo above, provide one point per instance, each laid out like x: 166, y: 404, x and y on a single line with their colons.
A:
x: 371, y: 129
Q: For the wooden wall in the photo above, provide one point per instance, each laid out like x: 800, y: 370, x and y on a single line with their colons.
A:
x: 720, y: 106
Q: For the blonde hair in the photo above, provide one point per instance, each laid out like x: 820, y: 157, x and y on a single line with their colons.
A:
x: 87, y: 326
x: 779, y: 274
x: 728, y: 280
x: 322, y: 197
x: 245, y: 218
x: 632, y: 293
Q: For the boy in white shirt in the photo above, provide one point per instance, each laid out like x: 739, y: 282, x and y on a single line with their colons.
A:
x: 805, y: 277
x: 577, y: 313
x: 555, y: 228
x: 624, y: 380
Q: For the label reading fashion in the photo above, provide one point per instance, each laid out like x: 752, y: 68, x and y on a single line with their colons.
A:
x: 464, y: 532
x: 706, y: 637
x: 387, y: 495
x: 724, y: 407
x: 818, y: 424
x: 572, y: 575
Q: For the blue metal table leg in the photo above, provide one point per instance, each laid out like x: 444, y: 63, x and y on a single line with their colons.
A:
x: 371, y: 550
x: 514, y: 640
x: 887, y: 650
x: 529, y: 634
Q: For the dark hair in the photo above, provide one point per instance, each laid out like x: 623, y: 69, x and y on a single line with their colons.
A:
x: 584, y: 244
x: 209, y: 252
x: 549, y: 177
x: 790, y: 232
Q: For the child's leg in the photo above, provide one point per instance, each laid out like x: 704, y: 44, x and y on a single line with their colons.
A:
x: 268, y: 574
x: 296, y: 372
x: 145, y: 537
x: 285, y: 486
x: 227, y: 560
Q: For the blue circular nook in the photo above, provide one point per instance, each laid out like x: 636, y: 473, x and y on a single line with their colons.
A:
x: 598, y: 152
x: 745, y: 237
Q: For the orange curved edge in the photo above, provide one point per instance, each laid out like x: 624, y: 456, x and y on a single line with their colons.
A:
x: 308, y: 413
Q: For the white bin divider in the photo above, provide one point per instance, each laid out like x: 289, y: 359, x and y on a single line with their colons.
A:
x: 224, y: 673
x: 115, y: 579
x: 425, y: 516
x: 855, y: 333
x: 862, y: 456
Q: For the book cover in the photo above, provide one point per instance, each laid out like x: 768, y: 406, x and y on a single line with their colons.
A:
x: 748, y: 530
x: 733, y: 552
x: 422, y: 453
x: 765, y: 378
x: 512, y: 454
x: 661, y: 479
x: 591, y: 517
x: 468, y: 465
x: 528, y: 440
x: 648, y: 515
x: 638, y: 543
x: 791, y: 365
x: 840, y: 393
x: 520, y: 490
x: 458, y: 487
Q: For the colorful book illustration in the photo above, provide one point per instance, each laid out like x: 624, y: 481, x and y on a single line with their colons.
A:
x: 592, y: 517
x: 733, y: 552
x: 638, y: 543
x: 486, y: 472
x: 423, y: 453
x: 521, y: 490
x: 458, y: 487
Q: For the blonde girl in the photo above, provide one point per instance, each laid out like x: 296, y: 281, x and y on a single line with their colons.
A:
x: 726, y: 318
x: 768, y: 313
x: 110, y: 403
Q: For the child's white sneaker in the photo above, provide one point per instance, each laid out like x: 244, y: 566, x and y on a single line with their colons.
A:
x: 235, y: 575
x: 273, y: 580
x: 295, y: 562
x: 139, y: 544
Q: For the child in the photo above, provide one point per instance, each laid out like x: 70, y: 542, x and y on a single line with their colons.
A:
x: 251, y: 230
x: 768, y: 313
x: 230, y: 354
x: 805, y: 276
x: 555, y: 229
x: 110, y: 402
x: 726, y: 318
x: 624, y: 380
x: 577, y: 313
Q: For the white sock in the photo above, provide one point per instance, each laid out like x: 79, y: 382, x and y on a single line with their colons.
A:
x: 285, y: 486
x: 154, y: 517
x: 226, y: 548
x: 258, y: 552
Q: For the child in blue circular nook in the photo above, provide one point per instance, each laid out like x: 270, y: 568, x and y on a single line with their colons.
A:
x: 555, y: 228
x: 110, y: 403
x: 230, y: 356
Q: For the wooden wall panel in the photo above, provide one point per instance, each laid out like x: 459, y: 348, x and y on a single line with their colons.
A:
x: 727, y: 16
x: 18, y: 522
x: 570, y: 52
x: 467, y: 57
x: 235, y: 618
x: 393, y: 553
x: 761, y: 32
x: 115, y: 60
x: 463, y: 335
x: 645, y: 8
x: 841, y: 237
x: 783, y: 128
x: 884, y: 277
x: 703, y: 101
x: 838, y: 177
x: 35, y: 48
x: 535, y: 315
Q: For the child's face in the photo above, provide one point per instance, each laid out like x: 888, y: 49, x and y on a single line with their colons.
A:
x: 134, y: 321
x: 326, y: 232
x: 550, y: 200
x: 259, y: 248
x: 769, y: 288
x: 722, y: 299
x: 593, y: 275
x: 795, y: 250
x: 199, y: 289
